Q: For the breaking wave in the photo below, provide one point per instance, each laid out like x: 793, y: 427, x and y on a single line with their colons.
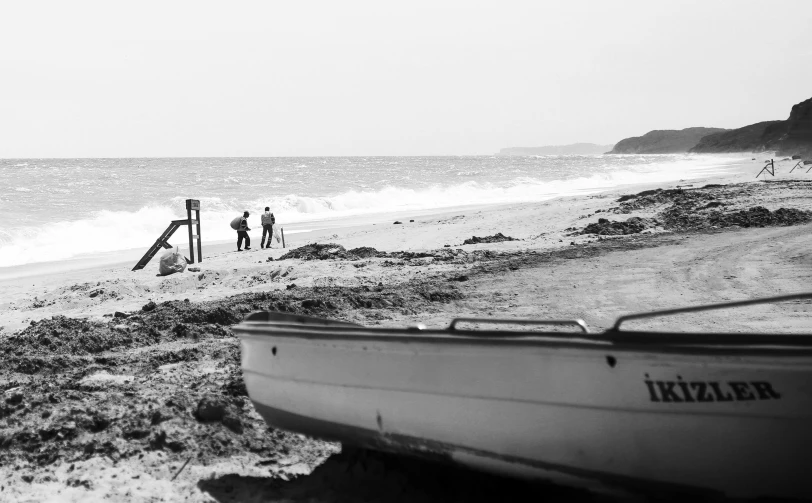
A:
x: 109, y: 231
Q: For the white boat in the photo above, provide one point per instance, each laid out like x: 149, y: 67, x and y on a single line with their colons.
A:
x: 711, y: 414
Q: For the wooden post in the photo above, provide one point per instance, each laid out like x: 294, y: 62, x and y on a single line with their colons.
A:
x: 796, y: 166
x: 199, y: 239
x: 282, y: 231
x: 191, y: 233
x: 194, y: 229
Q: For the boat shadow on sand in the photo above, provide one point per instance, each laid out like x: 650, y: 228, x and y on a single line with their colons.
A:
x: 360, y: 475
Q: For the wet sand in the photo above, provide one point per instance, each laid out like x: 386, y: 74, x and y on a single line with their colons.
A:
x: 114, y: 380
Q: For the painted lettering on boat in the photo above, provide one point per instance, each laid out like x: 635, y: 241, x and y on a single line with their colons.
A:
x: 681, y: 391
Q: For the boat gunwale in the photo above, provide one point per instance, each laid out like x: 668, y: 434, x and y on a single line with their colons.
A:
x: 616, y: 340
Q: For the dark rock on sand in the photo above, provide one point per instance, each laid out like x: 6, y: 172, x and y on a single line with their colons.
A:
x: 161, y: 440
x: 149, y: 306
x: 96, y: 422
x: 217, y: 408
x: 496, y: 238
x: 212, y: 408
x: 14, y: 398
x: 233, y: 423
x: 235, y: 386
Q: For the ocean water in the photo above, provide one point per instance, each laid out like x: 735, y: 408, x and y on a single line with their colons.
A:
x: 62, y: 209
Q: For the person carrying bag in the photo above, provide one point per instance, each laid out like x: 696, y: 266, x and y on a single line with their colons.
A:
x: 240, y: 224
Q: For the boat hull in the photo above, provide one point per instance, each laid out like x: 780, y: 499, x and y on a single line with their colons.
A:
x: 699, y: 420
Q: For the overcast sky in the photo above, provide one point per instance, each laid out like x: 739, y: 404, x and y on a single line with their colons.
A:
x: 299, y: 78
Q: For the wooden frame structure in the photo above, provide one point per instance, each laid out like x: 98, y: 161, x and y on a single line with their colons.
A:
x: 801, y: 166
x: 163, y: 239
x: 769, y: 168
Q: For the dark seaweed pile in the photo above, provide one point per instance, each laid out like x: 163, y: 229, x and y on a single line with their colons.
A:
x: 606, y: 227
x: 331, y: 251
x: 707, y: 207
x: 496, y: 238
x: 681, y: 218
x: 50, y: 411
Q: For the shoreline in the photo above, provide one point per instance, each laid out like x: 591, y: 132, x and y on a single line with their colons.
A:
x: 319, y: 229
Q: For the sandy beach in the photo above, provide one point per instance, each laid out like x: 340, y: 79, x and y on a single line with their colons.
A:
x: 107, y: 373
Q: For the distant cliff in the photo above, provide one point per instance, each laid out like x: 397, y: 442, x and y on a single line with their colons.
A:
x: 745, y: 139
x: 790, y: 137
x: 667, y: 141
x: 574, y: 149
x: 795, y: 137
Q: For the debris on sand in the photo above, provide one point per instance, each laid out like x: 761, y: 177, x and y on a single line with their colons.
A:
x: 678, y: 218
x: 215, y: 408
x: 649, y: 198
x: 316, y: 251
x: 606, y: 227
x: 331, y: 251
x: 711, y: 207
x: 496, y: 238
x: 365, y: 252
x: 166, y: 379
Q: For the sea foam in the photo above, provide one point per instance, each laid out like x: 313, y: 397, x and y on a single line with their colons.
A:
x: 104, y: 231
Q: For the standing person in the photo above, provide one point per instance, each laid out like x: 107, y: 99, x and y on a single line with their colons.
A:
x: 267, y: 227
x: 242, y: 233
